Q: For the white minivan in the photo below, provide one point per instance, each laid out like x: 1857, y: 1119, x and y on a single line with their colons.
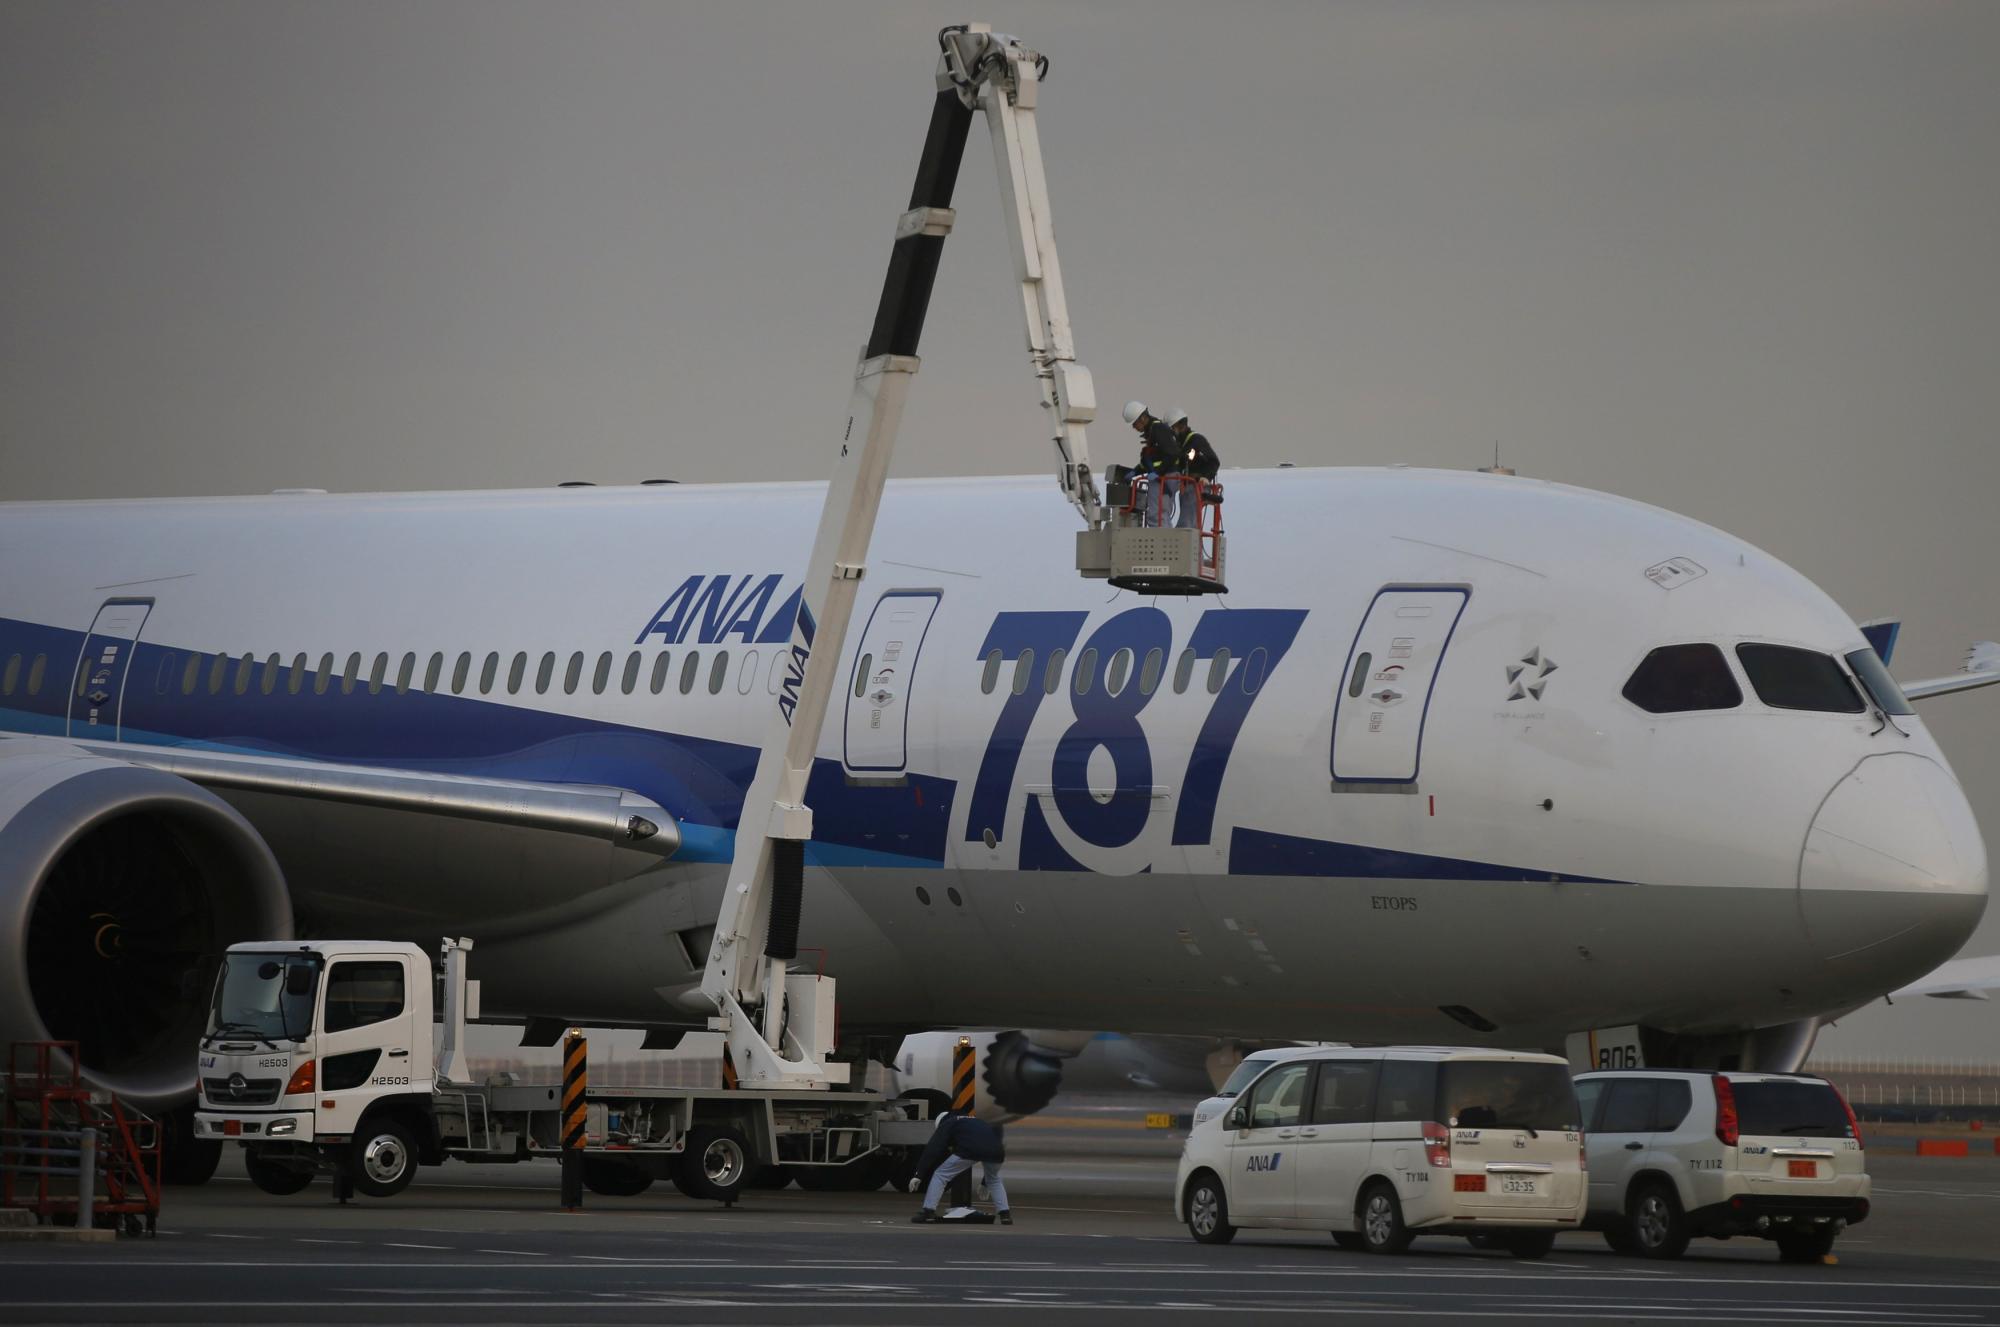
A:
x: 1380, y: 1146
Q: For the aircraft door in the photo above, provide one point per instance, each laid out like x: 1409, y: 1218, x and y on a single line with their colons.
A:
x: 876, y: 737
x: 1385, y: 692
x: 97, y: 693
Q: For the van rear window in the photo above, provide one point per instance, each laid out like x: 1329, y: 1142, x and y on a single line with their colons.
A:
x: 1507, y: 1094
x: 1775, y: 1108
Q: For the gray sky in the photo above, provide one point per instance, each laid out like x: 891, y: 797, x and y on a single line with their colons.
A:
x: 1737, y: 259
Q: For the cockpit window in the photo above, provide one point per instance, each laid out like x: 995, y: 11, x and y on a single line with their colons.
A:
x: 1875, y: 679
x: 1788, y: 678
x: 1677, y: 678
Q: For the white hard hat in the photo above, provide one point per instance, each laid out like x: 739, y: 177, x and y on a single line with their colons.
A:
x: 1175, y: 415
x: 1134, y: 409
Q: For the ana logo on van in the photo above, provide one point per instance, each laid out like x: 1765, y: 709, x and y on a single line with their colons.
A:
x: 1264, y: 1163
x: 710, y: 610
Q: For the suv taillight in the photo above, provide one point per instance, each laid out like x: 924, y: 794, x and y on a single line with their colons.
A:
x: 1437, y: 1145
x: 1725, y: 1111
x: 302, y: 1080
x: 1853, y: 1125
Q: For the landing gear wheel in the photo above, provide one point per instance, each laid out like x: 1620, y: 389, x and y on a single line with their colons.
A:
x: 1208, y: 1211
x: 614, y: 1180
x: 383, y: 1157
x: 274, y: 1177
x: 1619, y: 1237
x: 1530, y: 1245
x: 1349, y: 1241
x: 715, y: 1164
x: 1805, y: 1246
x: 184, y: 1158
x: 1654, y: 1218
x: 1382, y: 1228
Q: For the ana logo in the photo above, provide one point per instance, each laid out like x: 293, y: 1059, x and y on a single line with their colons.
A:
x: 1264, y: 1163
x: 1530, y: 675
x: 709, y: 610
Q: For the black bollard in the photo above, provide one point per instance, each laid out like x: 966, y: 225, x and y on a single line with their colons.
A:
x: 575, y: 1113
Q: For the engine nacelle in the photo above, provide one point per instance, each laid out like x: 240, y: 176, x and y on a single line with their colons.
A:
x: 1015, y: 1073
x: 119, y: 889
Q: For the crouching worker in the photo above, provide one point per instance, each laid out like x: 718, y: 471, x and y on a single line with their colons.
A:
x: 957, y: 1142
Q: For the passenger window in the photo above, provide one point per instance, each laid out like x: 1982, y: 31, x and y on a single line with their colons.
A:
x: 1253, y: 670
x: 1628, y: 1106
x: 600, y: 677
x: 746, y: 676
x: 1408, y: 1092
x: 660, y: 662
x: 297, y: 678
x: 378, y: 673
x: 1359, y: 678
x: 434, y: 672
x: 1787, y: 678
x: 1279, y: 1098
x: 1218, y: 671
x: 1587, y: 1093
x: 348, y: 675
x: 489, y: 672
x: 861, y: 675
x: 517, y: 672
x: 324, y: 677
x: 82, y: 679
x: 718, y: 672
x: 1881, y: 687
x: 404, y: 672
x: 1149, y: 672
x: 545, y: 673
x: 989, y: 677
x: 1672, y: 1100
x: 1024, y: 668
x: 573, y: 674
x: 243, y: 667
x: 217, y: 667
x: 633, y: 661
x: 1052, y: 675
x: 11, y: 676
x: 192, y: 674
x: 269, y: 681
x: 163, y: 680
x: 35, y: 672
x: 1346, y: 1092
x: 358, y: 994
x: 1116, y: 671
x: 1675, y: 679
x: 690, y: 666
x: 1086, y: 671
x: 460, y: 671
x: 1183, y: 671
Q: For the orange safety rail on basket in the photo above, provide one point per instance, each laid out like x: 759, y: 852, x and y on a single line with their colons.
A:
x: 45, y: 1108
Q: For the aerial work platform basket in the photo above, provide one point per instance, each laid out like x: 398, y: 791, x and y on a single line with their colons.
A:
x: 1142, y: 549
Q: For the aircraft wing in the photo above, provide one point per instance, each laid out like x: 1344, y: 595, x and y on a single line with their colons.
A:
x: 1960, y: 979
x: 613, y: 815
x: 1981, y: 669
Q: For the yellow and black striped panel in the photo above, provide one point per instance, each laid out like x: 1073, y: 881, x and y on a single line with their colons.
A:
x: 575, y: 1111
x: 964, y: 1078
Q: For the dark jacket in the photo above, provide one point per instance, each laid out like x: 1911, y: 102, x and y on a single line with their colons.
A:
x: 961, y: 1135
x: 1159, y: 453
x: 1196, y: 456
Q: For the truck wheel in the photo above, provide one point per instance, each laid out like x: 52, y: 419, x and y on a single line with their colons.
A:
x: 274, y: 1177
x: 184, y: 1158
x: 1208, y: 1211
x: 715, y: 1164
x: 1805, y: 1246
x: 1530, y: 1245
x: 613, y: 1179
x: 383, y: 1157
x: 1654, y: 1218
x: 1382, y: 1227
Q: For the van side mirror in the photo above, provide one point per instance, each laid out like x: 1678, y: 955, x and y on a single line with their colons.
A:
x: 1238, y: 1118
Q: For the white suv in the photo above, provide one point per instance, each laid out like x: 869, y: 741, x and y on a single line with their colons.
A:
x: 1675, y: 1154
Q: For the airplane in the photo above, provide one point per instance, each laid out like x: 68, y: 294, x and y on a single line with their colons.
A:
x: 1465, y: 758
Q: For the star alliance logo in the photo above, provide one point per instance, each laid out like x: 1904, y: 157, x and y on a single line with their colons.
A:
x: 1530, y: 675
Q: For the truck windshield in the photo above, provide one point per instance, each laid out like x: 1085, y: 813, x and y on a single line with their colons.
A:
x: 267, y: 996
x: 1507, y: 1094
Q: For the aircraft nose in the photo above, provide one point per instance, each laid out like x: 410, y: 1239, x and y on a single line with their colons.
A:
x: 1893, y: 871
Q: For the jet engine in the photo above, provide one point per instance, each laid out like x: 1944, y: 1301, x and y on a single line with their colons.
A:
x: 119, y: 889
x: 1015, y: 1073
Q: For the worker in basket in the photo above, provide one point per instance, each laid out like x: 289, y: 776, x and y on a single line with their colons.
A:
x: 1194, y: 463
x: 959, y: 1140
x: 1156, y: 457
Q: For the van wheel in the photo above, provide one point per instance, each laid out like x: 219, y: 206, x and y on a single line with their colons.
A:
x: 1531, y: 1244
x: 1619, y: 1237
x: 1809, y: 1246
x: 1208, y: 1211
x: 1654, y: 1218
x: 275, y: 1177
x: 383, y: 1157
x: 1382, y: 1228
x: 715, y: 1164
x: 614, y: 1180
x: 1349, y: 1240
x: 1485, y: 1241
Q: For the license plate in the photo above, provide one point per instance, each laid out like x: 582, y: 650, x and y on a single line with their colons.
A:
x: 1802, y: 1170
x: 1521, y: 1184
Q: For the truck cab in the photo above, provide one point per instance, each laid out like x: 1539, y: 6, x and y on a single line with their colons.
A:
x: 315, y: 1052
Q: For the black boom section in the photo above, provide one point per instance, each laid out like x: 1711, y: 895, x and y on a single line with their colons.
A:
x: 913, y: 264
x: 788, y: 874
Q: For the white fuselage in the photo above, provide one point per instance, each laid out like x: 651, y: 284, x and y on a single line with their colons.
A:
x: 1483, y: 841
